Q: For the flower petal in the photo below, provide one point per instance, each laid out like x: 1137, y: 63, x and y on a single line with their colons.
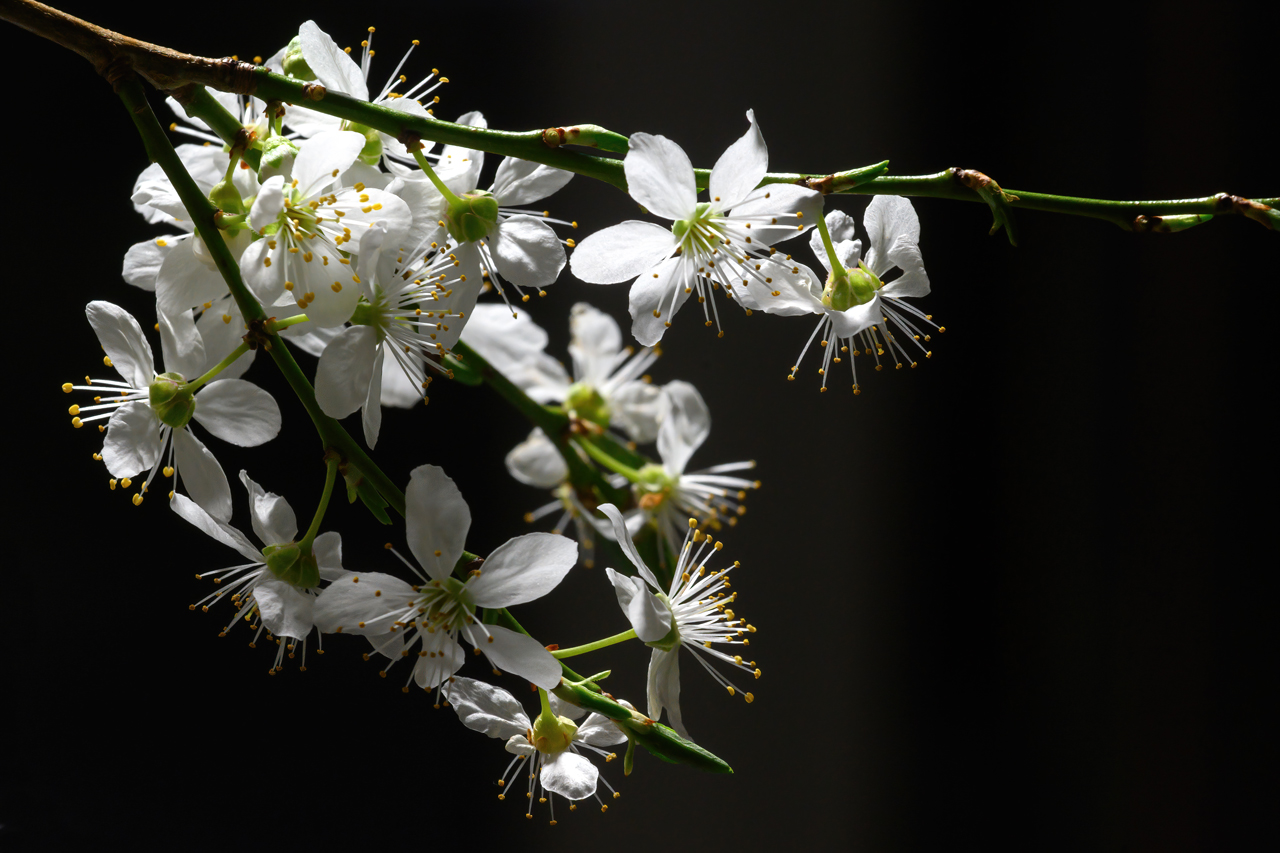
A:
x: 202, y: 477
x: 345, y: 370
x: 133, y: 439
x: 648, y: 615
x: 526, y: 251
x: 889, y: 218
x: 443, y: 658
x: 655, y: 298
x: 322, y: 158
x: 327, y: 550
x: 272, y: 517
x: 122, y: 338
x: 848, y: 323
x: 269, y: 203
x: 142, y: 261
x: 331, y: 64
x: 520, y: 655
x: 660, y: 176
x: 570, y: 775
x: 238, y: 412
x: 436, y: 520
x: 795, y: 293
x: 184, y: 281
x: 181, y: 346
x: 363, y: 603
x: 371, y: 409
x: 536, y: 462
x: 740, y: 168
x: 285, y: 610
x: 523, y: 569
x: 599, y: 730
x: 778, y: 212
x: 621, y: 252
x: 190, y: 511
x: 623, y: 537
x: 664, y: 688
x: 685, y: 428
x: 638, y: 410
x: 520, y: 181
x: 485, y: 708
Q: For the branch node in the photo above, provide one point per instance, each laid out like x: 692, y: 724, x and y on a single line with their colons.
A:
x: 259, y: 334
x: 989, y: 191
x: 314, y: 91
x: 824, y: 184
x: 554, y: 137
x: 1255, y: 210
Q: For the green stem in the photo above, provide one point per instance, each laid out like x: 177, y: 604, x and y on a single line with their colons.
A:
x: 448, y: 194
x: 830, y: 247
x: 606, y: 460
x: 277, y: 325
x: 202, y: 213
x: 598, y: 644
x: 218, y: 368
x: 198, y: 103
x: 547, y: 713
x: 331, y: 462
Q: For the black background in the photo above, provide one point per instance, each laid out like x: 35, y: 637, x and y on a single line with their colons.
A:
x: 1010, y: 599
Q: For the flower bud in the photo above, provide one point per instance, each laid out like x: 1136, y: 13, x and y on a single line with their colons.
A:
x: 847, y: 288
x: 289, y: 564
x: 472, y: 217
x: 294, y: 64
x: 170, y: 400
x: 226, y: 197
x: 372, y: 151
x: 278, y: 155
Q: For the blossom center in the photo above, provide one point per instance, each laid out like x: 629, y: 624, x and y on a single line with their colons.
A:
x: 170, y: 400
x: 551, y: 734
x: 471, y: 217
x: 587, y: 403
x: 847, y: 288
x: 287, y: 562
x: 656, y: 485
x: 446, y: 605
x: 697, y: 234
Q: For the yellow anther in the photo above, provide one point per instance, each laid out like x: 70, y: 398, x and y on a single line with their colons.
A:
x: 137, y: 499
x: 74, y: 410
x: 106, y: 359
x: 76, y: 422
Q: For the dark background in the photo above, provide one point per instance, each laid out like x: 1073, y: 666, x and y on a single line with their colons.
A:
x: 1012, y: 599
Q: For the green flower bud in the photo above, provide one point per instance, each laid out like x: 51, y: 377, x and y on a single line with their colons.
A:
x: 552, y: 735
x: 278, y: 155
x: 170, y: 400
x: 372, y: 151
x: 226, y: 198
x: 472, y: 217
x: 294, y: 64
x: 587, y: 403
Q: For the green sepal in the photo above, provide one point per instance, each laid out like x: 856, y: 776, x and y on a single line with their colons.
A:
x: 226, y: 197
x: 463, y: 372
x: 170, y: 400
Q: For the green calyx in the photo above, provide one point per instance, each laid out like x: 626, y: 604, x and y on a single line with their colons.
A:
x: 552, y: 735
x: 471, y: 217
x: 293, y: 62
x: 170, y: 400
x: 289, y: 564
x: 365, y: 314
x: 846, y: 288
x: 586, y: 402
x: 655, y: 486
x: 278, y: 154
x: 371, y: 153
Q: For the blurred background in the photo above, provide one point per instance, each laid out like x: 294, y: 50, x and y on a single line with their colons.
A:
x: 1011, y: 598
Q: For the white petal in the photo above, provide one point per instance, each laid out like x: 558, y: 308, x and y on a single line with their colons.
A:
x: 132, y: 444
x: 796, y: 293
x: 327, y: 550
x: 664, y: 688
x: 371, y: 409
x: 180, y: 344
x: 599, y: 730
x: 238, y: 412
x: 322, y: 158
x: 485, y: 708
x: 638, y: 409
x: 685, y: 428
x: 371, y: 598
x: 331, y: 64
x: 272, y: 517
x: 216, y: 528
x: 536, y: 462
x: 523, y: 569
x: 222, y: 329
x: 660, y: 176
x: 595, y: 341
x: 647, y: 614
x: 848, y: 323
x: 122, y: 338
x: 269, y: 203
x: 570, y: 775
x: 436, y: 520
x: 443, y: 658
x: 914, y: 281
x: 779, y: 212
x: 285, y: 610
x: 184, y: 282
x: 265, y: 280
x: 623, y: 537
x: 527, y: 252
x: 142, y: 261
x: 651, y: 303
x: 345, y: 370
x: 520, y: 182
x: 520, y: 655
x: 739, y: 168
x: 202, y: 477
x: 621, y: 252
x: 889, y: 218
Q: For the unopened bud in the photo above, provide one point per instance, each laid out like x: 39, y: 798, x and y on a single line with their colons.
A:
x: 170, y: 400
x: 226, y: 197
x: 294, y: 64
x: 278, y: 155
x: 472, y: 217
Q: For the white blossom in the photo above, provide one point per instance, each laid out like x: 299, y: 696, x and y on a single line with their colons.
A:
x: 693, y: 612
x: 425, y: 620
x: 725, y: 242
